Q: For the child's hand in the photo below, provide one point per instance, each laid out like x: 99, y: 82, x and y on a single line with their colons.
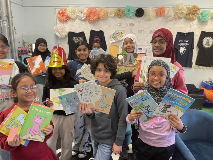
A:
x: 84, y: 108
x: 135, y: 114
x: 16, y: 141
x: 47, y: 129
x: 81, y: 81
x: 49, y: 102
x: 116, y: 149
x: 138, y: 86
x: 132, y: 70
x: 175, y: 121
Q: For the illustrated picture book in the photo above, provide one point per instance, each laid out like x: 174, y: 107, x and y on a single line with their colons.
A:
x: 96, y: 52
x: 38, y: 117
x: 36, y: 64
x: 85, y: 73
x: 15, y: 119
x: 143, y: 102
x: 69, y: 102
x: 5, y: 71
x: 98, y: 97
x: 174, y: 102
x: 55, y: 93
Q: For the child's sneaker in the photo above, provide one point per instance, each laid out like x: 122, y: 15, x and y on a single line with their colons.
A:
x: 82, y: 154
x: 74, y: 153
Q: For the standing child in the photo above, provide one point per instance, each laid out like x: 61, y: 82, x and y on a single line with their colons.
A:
x: 24, y: 91
x: 107, y: 130
x: 157, y: 136
x: 60, y: 76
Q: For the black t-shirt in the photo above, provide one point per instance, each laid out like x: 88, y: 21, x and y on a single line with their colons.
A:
x: 183, y: 46
x: 205, y: 53
x: 97, y: 36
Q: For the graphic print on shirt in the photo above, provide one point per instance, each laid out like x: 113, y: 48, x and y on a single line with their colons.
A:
x: 183, y: 44
x: 207, y: 42
x: 77, y: 39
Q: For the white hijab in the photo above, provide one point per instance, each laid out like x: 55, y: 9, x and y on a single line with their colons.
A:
x: 134, y: 39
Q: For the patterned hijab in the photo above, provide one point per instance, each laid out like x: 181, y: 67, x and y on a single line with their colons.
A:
x: 134, y: 39
x: 158, y: 93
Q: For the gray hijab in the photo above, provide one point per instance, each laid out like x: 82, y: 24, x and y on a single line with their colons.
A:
x: 158, y: 93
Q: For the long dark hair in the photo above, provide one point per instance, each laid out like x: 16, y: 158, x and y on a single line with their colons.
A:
x: 80, y: 43
x: 4, y: 40
x: 50, y: 79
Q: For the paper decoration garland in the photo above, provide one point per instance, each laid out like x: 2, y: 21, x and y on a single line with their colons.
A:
x: 61, y: 31
x: 92, y: 14
x: 180, y: 11
x: 62, y: 15
x: 102, y: 13
x: 72, y: 12
x: 139, y: 12
x: 119, y: 12
x: 111, y: 12
x: 161, y: 11
x: 129, y: 11
x: 150, y: 13
x: 170, y: 14
x: 204, y: 16
x: 192, y: 12
x: 81, y: 13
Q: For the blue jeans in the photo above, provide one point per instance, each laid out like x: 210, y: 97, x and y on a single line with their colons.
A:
x: 101, y: 151
x: 4, y: 155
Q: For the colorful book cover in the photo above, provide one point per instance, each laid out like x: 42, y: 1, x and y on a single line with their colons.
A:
x: 55, y: 93
x: 85, y: 73
x: 36, y: 64
x: 174, y: 102
x: 144, y: 102
x: 70, y: 102
x: 96, y: 52
x: 38, y: 117
x: 5, y: 72
x: 47, y: 62
x: 98, y: 97
x: 15, y: 119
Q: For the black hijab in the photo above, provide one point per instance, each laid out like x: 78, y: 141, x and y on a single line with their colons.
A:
x: 37, y: 52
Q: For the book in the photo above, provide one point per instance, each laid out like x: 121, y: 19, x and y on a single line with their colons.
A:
x: 55, y: 93
x: 174, y: 102
x: 15, y: 119
x: 36, y: 64
x: 85, y: 73
x: 38, y: 117
x: 96, y: 52
x: 70, y: 102
x: 98, y: 97
x: 5, y: 71
x: 47, y: 62
x: 143, y: 102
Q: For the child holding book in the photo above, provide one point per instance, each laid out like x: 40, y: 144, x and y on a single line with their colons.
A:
x: 107, y: 130
x: 157, y: 136
x: 60, y: 76
x: 24, y: 91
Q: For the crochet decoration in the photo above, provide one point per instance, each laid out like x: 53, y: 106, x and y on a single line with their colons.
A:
x: 81, y: 13
x: 111, y: 12
x: 119, y: 12
x: 170, y: 14
x: 180, y: 11
x: 102, y: 13
x: 61, y: 31
x: 129, y: 11
x: 161, y: 11
x: 72, y: 12
x: 204, y: 16
x: 139, y: 12
x: 192, y: 12
x: 62, y: 15
x: 92, y: 14
x: 150, y: 13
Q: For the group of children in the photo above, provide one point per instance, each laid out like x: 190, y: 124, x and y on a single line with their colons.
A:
x: 156, y: 137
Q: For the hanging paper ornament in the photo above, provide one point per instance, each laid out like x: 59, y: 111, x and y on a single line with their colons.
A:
x: 62, y: 15
x: 139, y: 12
x: 204, y: 16
x: 81, y: 13
x: 180, y: 11
x: 212, y: 13
x: 129, y: 11
x: 170, y: 14
x: 161, y: 11
x: 92, y: 14
x: 61, y: 30
x: 119, y: 12
x: 150, y: 13
x: 111, y: 12
x: 192, y: 12
x: 72, y: 12
x: 102, y: 13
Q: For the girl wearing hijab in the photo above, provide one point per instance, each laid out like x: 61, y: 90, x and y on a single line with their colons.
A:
x: 157, y: 136
x: 162, y: 46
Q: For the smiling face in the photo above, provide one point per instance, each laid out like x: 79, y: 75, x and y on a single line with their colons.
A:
x: 129, y: 45
x: 3, y: 51
x: 102, y: 74
x: 42, y: 47
x: 58, y: 73
x: 82, y: 52
x: 157, y: 76
x: 158, y: 45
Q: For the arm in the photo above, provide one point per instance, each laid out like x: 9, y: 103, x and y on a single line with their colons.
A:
x: 138, y: 74
x: 122, y: 76
x: 178, y: 82
x: 46, y: 94
x: 48, y: 136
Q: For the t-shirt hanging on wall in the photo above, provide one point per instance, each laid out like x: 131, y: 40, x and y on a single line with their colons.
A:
x: 183, y: 46
x: 205, y: 53
x: 97, y: 36
x: 73, y: 38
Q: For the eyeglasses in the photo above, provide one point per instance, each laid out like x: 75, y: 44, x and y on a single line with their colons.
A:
x: 160, y: 76
x: 26, y: 89
x: 3, y: 47
x: 159, y: 42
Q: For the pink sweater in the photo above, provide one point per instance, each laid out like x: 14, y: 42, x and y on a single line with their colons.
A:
x: 178, y: 81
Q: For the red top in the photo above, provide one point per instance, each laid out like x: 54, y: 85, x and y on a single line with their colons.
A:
x: 34, y: 151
